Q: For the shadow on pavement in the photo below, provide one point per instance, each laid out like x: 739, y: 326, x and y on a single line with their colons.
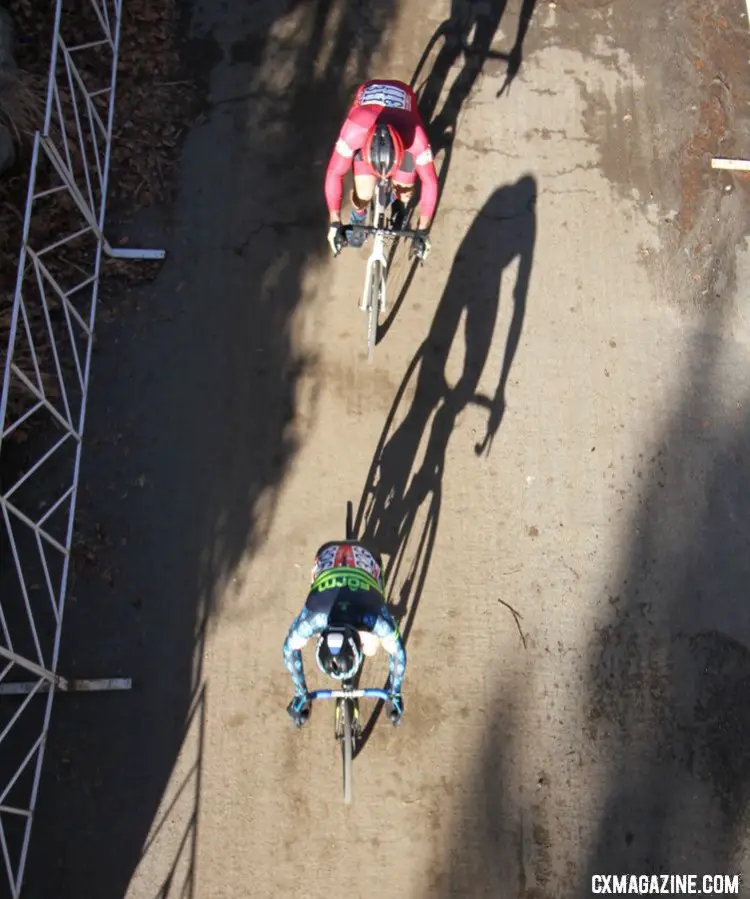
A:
x: 192, y: 427
x: 467, y: 35
x: 669, y: 672
x: 665, y: 748
x: 400, y: 506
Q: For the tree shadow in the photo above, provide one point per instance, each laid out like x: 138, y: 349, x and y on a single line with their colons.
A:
x: 192, y: 426
x: 665, y: 751
x: 467, y: 34
x: 399, y: 510
x: 669, y: 671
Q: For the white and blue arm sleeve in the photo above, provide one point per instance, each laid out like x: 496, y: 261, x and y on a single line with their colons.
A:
x: 303, y: 628
x: 387, y: 630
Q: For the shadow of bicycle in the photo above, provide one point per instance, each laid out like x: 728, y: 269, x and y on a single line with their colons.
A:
x: 399, y: 511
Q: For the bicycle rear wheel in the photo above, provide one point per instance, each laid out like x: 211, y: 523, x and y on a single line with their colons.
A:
x: 347, y: 745
x: 373, y: 312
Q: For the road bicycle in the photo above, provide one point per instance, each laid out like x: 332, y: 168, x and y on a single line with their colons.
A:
x: 380, y: 229
x: 347, y: 728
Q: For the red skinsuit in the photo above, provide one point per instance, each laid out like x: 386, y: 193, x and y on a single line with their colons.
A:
x: 394, y: 103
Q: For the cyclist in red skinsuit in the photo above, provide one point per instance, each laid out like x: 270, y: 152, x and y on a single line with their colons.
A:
x: 383, y: 132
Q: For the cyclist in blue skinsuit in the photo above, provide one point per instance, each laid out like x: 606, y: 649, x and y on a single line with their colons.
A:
x: 346, y: 610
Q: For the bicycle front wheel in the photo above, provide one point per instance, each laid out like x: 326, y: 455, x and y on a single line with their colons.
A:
x: 373, y: 313
x: 347, y: 745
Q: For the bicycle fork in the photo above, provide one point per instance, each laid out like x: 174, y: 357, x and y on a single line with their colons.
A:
x: 339, y: 720
x: 377, y: 256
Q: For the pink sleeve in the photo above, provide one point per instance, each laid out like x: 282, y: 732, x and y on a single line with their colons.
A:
x: 426, y: 170
x: 334, y: 183
x: 351, y: 138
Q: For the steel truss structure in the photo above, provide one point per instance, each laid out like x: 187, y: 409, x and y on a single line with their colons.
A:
x: 44, y: 402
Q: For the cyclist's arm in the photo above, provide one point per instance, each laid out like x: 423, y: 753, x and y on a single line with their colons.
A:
x: 303, y: 628
x: 425, y: 167
x: 351, y: 138
x: 339, y: 164
x: 387, y: 629
x: 349, y: 141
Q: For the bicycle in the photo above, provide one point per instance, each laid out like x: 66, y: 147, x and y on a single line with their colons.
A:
x: 347, y: 729
x: 374, y: 294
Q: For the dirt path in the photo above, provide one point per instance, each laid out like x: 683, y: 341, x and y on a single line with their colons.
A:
x: 555, y: 423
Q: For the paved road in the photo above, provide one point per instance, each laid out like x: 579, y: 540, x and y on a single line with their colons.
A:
x: 555, y: 425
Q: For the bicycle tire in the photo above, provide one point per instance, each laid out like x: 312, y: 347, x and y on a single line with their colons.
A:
x: 349, y: 520
x: 347, y: 746
x: 373, y: 313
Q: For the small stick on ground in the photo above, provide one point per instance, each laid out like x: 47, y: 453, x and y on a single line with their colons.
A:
x: 571, y: 569
x: 517, y: 618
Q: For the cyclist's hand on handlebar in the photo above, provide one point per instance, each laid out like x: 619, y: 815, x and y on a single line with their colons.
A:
x: 422, y: 245
x: 336, y: 237
x: 397, y: 708
x: 299, y: 709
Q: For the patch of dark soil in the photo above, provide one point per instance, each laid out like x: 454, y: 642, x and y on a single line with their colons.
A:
x: 686, y: 105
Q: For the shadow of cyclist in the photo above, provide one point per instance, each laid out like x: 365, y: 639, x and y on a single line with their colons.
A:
x: 399, y: 510
x: 468, y: 32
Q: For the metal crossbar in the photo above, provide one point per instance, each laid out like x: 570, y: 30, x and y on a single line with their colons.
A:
x: 53, y: 316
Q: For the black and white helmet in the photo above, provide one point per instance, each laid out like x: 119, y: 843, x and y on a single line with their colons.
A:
x: 339, y: 652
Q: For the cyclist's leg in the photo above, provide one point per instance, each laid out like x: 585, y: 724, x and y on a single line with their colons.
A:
x: 364, y: 187
x: 364, y: 183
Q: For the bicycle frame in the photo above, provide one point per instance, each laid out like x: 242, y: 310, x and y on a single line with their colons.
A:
x: 346, y: 723
x: 374, y: 295
x: 379, y: 206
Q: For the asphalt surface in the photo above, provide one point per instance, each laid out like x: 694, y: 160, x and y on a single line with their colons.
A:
x: 551, y: 448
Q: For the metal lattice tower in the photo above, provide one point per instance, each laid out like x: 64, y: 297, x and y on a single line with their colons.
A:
x: 53, y: 316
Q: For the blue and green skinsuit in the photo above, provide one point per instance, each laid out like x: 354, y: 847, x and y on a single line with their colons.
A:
x: 345, y: 596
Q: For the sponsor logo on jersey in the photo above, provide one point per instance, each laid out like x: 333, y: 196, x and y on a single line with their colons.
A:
x: 352, y: 578
x: 385, y: 95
